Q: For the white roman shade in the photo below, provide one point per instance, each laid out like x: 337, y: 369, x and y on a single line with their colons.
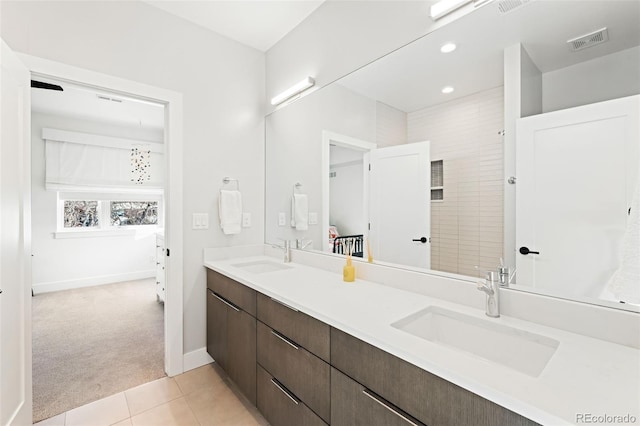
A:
x: 86, y: 162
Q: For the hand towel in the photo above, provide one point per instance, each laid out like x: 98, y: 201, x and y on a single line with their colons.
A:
x: 230, y: 209
x: 300, y: 212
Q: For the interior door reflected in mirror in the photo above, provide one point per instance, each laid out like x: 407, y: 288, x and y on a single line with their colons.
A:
x: 536, y: 148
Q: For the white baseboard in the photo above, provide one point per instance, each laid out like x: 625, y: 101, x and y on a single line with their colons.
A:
x: 195, y: 359
x: 39, y: 288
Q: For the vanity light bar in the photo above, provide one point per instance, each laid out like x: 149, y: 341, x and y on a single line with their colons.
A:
x: 444, y: 7
x: 293, y: 90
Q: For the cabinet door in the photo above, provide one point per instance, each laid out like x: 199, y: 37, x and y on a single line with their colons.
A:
x: 217, y: 329
x: 241, y: 351
x: 352, y: 404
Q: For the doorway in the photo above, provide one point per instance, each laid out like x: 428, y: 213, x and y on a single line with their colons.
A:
x: 97, y: 191
x: 173, y: 198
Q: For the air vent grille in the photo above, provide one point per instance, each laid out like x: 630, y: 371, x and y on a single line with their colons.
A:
x: 507, y: 6
x: 588, y: 40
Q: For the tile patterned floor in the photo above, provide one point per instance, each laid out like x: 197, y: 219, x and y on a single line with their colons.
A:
x: 199, y: 397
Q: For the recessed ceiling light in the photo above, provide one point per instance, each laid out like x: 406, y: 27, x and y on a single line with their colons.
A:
x: 447, y: 89
x: 448, y: 47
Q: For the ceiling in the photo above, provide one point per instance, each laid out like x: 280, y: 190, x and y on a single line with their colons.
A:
x: 412, y: 77
x: 88, y: 104
x: 259, y: 24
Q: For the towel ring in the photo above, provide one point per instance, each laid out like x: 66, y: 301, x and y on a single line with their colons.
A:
x: 226, y: 180
x: 297, y: 185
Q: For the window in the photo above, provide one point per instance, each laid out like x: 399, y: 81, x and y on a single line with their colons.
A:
x: 81, y: 214
x: 105, y: 216
x: 437, y: 180
x: 129, y: 213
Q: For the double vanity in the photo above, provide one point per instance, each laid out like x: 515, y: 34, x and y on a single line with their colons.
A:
x: 309, y: 349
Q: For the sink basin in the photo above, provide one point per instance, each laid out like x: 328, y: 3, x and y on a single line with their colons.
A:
x: 520, y: 350
x: 261, y: 266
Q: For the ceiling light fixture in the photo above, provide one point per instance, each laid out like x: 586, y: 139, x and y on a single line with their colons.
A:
x: 447, y: 89
x: 444, y: 7
x: 448, y: 47
x: 293, y: 90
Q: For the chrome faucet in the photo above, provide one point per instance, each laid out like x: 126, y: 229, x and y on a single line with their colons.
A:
x: 287, y: 249
x: 505, y: 276
x: 490, y: 285
x: 301, y: 245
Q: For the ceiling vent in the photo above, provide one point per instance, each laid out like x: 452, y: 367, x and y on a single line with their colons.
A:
x: 507, y: 6
x: 106, y: 98
x: 588, y: 40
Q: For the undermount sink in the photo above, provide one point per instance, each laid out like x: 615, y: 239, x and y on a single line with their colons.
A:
x: 261, y: 266
x: 520, y: 350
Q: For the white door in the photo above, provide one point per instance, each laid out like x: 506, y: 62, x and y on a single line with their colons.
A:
x: 15, y: 264
x: 576, y: 172
x: 400, y: 213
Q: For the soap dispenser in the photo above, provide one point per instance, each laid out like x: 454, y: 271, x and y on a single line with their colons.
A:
x: 349, y: 271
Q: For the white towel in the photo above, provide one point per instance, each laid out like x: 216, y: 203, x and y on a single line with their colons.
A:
x: 625, y: 282
x: 300, y: 212
x: 230, y: 209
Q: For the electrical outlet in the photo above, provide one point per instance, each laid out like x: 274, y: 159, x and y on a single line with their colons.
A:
x: 313, y: 218
x: 281, y: 219
x: 246, y: 220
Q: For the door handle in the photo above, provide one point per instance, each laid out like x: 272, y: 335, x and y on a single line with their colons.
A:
x: 526, y: 251
x: 422, y: 240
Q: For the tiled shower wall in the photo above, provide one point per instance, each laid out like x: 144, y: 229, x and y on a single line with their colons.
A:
x: 467, y: 226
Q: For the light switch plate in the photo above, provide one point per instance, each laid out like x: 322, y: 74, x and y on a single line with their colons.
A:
x: 200, y: 221
x: 281, y: 219
x: 246, y: 220
x: 313, y: 218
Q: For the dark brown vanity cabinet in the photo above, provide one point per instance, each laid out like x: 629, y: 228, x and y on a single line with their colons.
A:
x: 410, y: 391
x: 292, y: 348
x: 231, y: 330
x: 300, y: 371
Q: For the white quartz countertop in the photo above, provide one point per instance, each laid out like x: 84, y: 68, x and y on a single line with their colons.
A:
x: 585, y: 376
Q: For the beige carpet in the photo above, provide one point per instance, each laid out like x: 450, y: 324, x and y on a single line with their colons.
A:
x: 94, y: 342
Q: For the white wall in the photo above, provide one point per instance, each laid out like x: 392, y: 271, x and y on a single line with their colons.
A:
x: 346, y: 190
x: 294, y: 152
x: 466, y: 228
x: 75, y: 262
x: 222, y: 83
x: 531, y: 85
x: 341, y: 36
x: 608, y: 77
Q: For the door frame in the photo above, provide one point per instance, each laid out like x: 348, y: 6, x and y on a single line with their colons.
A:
x: 173, y: 139
x: 337, y: 139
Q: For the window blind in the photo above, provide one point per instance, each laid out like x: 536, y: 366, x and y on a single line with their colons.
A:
x: 86, y: 162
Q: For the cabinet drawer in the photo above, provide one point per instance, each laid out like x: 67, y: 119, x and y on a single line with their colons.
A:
x: 310, y: 333
x: 303, y: 373
x: 279, y: 406
x: 428, y: 398
x: 238, y: 294
x: 352, y: 404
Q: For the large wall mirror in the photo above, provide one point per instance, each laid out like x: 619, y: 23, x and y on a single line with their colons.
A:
x: 520, y: 146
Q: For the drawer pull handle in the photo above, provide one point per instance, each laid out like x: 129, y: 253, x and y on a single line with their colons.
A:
x: 226, y: 302
x: 385, y: 405
x: 284, y: 391
x: 284, y: 304
x: 284, y: 339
